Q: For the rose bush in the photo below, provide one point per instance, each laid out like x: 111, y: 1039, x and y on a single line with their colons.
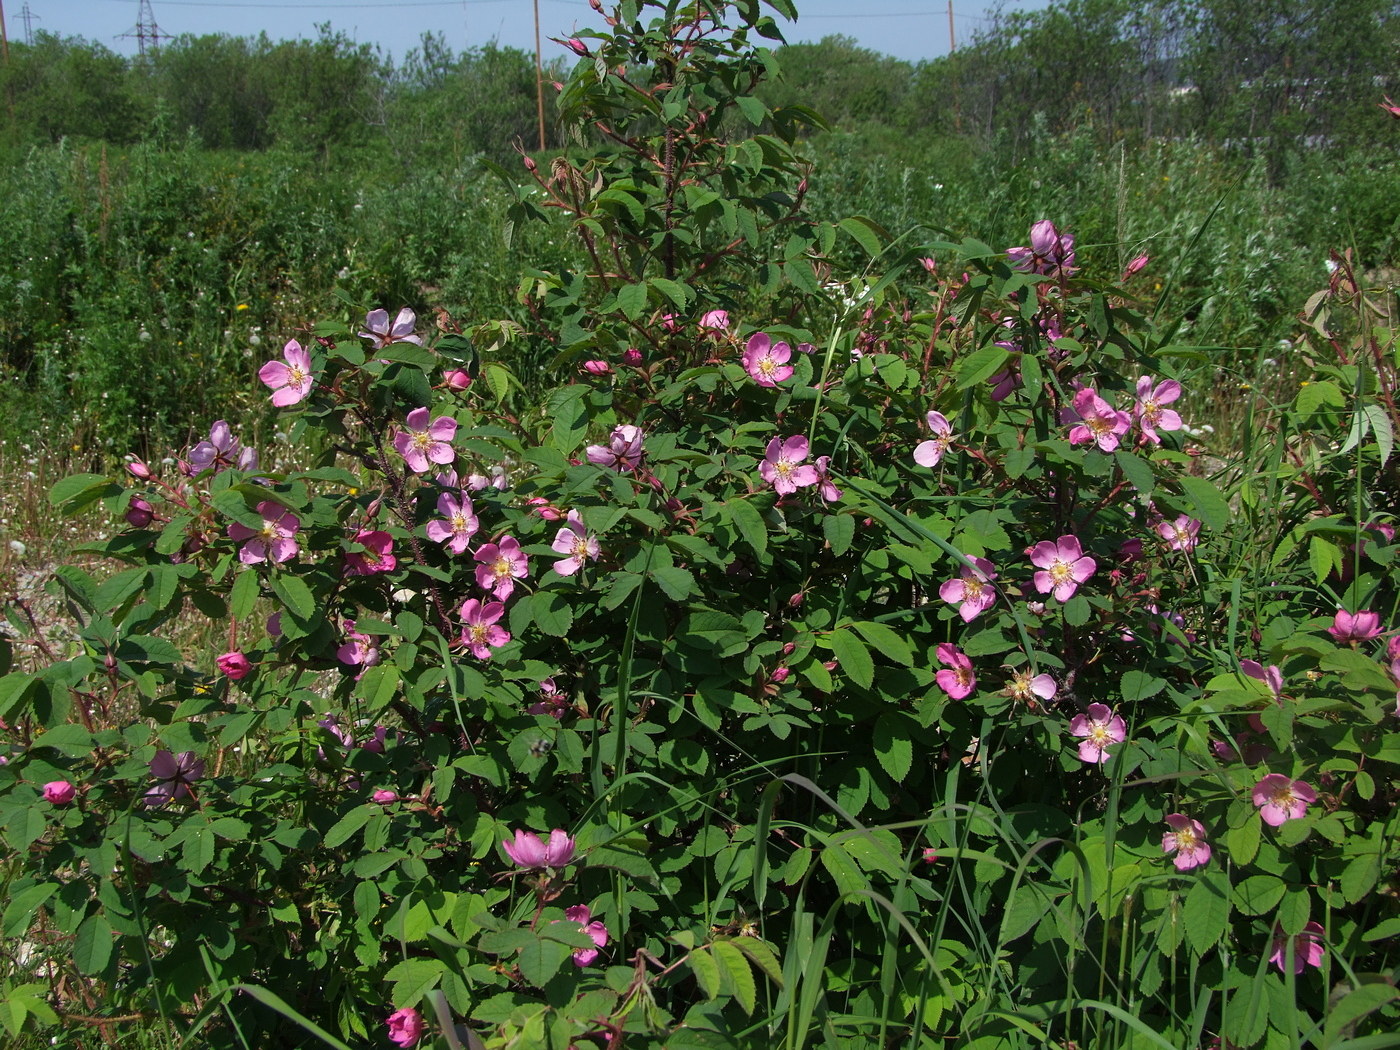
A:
x: 691, y: 695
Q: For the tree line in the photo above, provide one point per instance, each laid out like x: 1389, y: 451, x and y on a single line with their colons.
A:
x: 1268, y: 75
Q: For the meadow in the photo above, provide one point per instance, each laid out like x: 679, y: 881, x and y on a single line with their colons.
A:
x: 731, y: 579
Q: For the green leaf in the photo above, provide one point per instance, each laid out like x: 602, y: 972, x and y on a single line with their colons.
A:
x: 839, y: 530
x: 1312, y: 396
x: 541, y: 959
x: 854, y: 657
x: 1358, y: 1003
x: 735, y: 966
x: 1139, y: 685
x: 981, y: 365
x: 754, y: 110
x: 20, y: 909
x: 632, y: 300
x: 1259, y: 894
x: 1243, y: 841
x: 864, y: 232
x: 706, y: 970
x: 885, y: 640
x: 244, y: 595
x: 678, y: 293
x: 347, y: 825
x: 552, y: 613
x: 750, y: 525
x: 761, y: 954
x: 1206, y: 913
x: 1211, y: 507
x: 893, y: 747
x: 1137, y: 470
x: 77, y: 491
x: 92, y: 947
x: 412, y: 978
x: 295, y: 595
x: 1360, y: 876
x: 677, y: 584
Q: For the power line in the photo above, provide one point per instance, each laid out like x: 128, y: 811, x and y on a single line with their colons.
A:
x: 26, y: 16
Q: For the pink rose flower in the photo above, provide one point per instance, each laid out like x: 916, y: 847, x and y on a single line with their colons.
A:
x: 1361, y: 627
x: 406, y: 1025
x: 458, y: 523
x: 766, y: 361
x: 1097, y: 421
x: 500, y: 565
x: 1148, y: 411
x: 597, y: 933
x: 480, y: 632
x: 1063, y: 565
x: 275, y: 541
x: 377, y: 556
x: 622, y: 453
x: 290, y: 382
x: 529, y: 850
x: 928, y: 453
x: 577, y: 542
x: 957, y: 678
x: 972, y: 591
x: 1280, y: 799
x: 383, y: 334
x: 1187, y: 838
x: 424, y: 443
x: 59, y: 792
x: 783, y: 465
x: 1307, y: 949
x: 234, y: 665
x: 1100, y: 728
x: 1181, y: 534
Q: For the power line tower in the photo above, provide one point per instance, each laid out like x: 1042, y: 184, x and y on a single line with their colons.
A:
x: 146, y: 32
x: 25, y: 16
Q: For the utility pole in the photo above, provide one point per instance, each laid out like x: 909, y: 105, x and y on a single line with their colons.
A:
x: 952, y: 44
x: 147, y: 33
x: 24, y: 16
x: 539, y: 76
x: 5, y: 40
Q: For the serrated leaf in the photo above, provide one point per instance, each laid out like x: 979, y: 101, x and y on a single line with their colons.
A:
x: 92, y: 947
x: 1323, y: 557
x: 839, y: 530
x: 706, y: 970
x: 854, y: 658
x: 1139, y: 685
x: 735, y: 966
x: 981, y: 365
x: 753, y: 109
x: 1206, y: 913
x: 1360, y: 876
x: 1243, y: 841
x: 632, y: 300
x: 77, y: 491
x: 761, y: 954
x: 541, y: 959
x: 295, y: 595
x: 244, y: 595
x: 1313, y: 396
x: 893, y: 747
x: 886, y: 640
x: 1358, y: 1003
x: 678, y: 293
x: 20, y: 909
x: 750, y: 525
x: 864, y: 232
x: 677, y: 584
x: 347, y: 825
x: 1293, y: 911
x: 412, y: 978
x: 1137, y: 470
x: 1211, y: 506
x: 552, y: 614
x: 1259, y: 894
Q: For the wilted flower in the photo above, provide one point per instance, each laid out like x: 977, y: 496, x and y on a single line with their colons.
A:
x: 632, y: 357
x: 378, y: 555
x: 623, y: 452
x: 59, y: 792
x: 1280, y: 799
x: 1307, y: 949
x: 220, y: 450
x: 1051, y: 252
x: 1099, y: 727
x: 234, y: 665
x: 500, y: 565
x: 1187, y: 839
x: 480, y: 632
x: 575, y: 541
x: 290, y: 382
x: 529, y: 850
x: 766, y: 361
x: 957, y: 678
x: 379, y: 330
x: 406, y: 1025
x: 458, y: 523
x: 972, y: 591
x: 928, y: 453
x: 1272, y: 676
x: 1361, y: 627
x: 275, y: 541
x: 783, y: 465
x: 1063, y: 565
x: 173, y: 776
x: 1026, y: 688
x: 425, y: 443
x: 826, y: 488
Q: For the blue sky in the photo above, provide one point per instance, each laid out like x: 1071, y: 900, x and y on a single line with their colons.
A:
x: 910, y: 29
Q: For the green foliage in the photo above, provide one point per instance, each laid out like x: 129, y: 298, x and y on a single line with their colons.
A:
x: 674, y: 714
